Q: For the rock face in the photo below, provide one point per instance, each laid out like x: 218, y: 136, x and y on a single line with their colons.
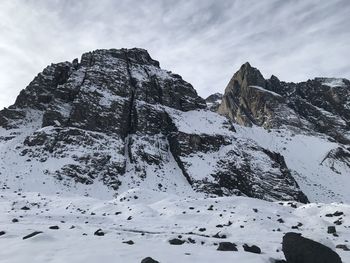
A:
x: 213, y: 101
x: 321, y: 105
x: 298, y: 249
x: 117, y: 120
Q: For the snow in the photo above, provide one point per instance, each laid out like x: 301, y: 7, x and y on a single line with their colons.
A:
x: 200, y: 122
x: 265, y: 90
x: 159, y: 217
x: 333, y: 82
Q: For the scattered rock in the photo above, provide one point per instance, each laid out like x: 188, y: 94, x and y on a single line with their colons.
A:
x: 298, y: 249
x: 331, y: 230
x: 32, y: 234
x: 149, y: 260
x: 2, y: 233
x: 218, y: 235
x: 252, y: 249
x: 129, y: 242
x: 99, y: 232
x: 176, y: 241
x: 54, y: 227
x: 343, y: 247
x: 338, y: 213
x: 25, y: 208
x: 227, y: 246
x: 15, y: 220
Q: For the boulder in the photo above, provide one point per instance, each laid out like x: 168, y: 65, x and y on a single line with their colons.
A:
x: 298, y: 249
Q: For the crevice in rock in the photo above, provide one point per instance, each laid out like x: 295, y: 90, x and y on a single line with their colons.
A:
x: 174, y: 147
x: 131, y: 122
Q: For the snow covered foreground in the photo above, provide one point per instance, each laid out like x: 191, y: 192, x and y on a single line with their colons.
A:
x: 151, y: 219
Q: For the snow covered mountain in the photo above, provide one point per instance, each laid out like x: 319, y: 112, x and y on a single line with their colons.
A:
x: 308, y: 123
x: 111, y: 158
x: 116, y: 119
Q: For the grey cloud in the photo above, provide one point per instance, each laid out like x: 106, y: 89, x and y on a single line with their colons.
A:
x: 205, y: 41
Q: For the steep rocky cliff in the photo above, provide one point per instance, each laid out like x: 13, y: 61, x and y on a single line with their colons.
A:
x: 115, y: 120
x: 308, y: 123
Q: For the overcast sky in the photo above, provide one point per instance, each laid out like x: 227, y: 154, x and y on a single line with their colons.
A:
x: 205, y: 41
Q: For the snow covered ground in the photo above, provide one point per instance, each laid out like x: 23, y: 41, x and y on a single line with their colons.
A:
x: 150, y: 219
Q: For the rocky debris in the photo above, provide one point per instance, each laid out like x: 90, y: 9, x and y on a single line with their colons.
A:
x: 227, y: 246
x: 149, y: 260
x: 2, y: 233
x: 32, y: 234
x: 99, y: 232
x: 343, y: 247
x: 176, y: 241
x: 54, y: 227
x: 253, y: 249
x: 331, y: 230
x: 129, y: 242
x: 15, y: 220
x: 298, y: 249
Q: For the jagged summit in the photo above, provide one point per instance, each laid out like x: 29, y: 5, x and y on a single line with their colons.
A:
x: 320, y: 105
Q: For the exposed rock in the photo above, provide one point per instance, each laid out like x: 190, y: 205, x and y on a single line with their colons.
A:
x: 331, y: 230
x: 32, y: 234
x: 99, y: 232
x: 343, y: 247
x: 227, y: 246
x: 54, y: 227
x: 121, y: 119
x: 213, y: 101
x: 298, y: 249
x: 253, y: 249
x: 129, y: 242
x: 319, y: 105
x: 176, y: 241
x: 2, y: 233
x: 149, y: 260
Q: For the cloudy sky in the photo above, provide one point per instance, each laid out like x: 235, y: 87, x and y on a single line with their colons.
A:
x: 205, y: 41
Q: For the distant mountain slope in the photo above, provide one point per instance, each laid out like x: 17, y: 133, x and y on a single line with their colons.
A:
x: 116, y: 121
x: 308, y: 123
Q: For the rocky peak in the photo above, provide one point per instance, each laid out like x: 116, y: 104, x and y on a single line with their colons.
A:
x: 248, y: 76
x: 213, y: 101
x: 320, y: 105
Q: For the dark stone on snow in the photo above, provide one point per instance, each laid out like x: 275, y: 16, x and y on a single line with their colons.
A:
x: 2, y: 233
x: 343, y: 247
x: 129, y: 242
x: 331, y: 230
x: 227, y: 246
x: 25, y: 208
x: 99, y: 232
x: 32, y: 234
x: 176, y: 241
x: 149, y: 260
x: 54, y: 227
x: 15, y: 220
x: 298, y: 249
x: 252, y: 249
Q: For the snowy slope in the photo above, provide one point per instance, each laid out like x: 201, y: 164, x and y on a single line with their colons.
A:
x: 322, y: 180
x: 150, y: 220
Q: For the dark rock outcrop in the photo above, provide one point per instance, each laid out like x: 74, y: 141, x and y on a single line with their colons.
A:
x: 149, y: 260
x: 298, y: 249
x: 227, y: 246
